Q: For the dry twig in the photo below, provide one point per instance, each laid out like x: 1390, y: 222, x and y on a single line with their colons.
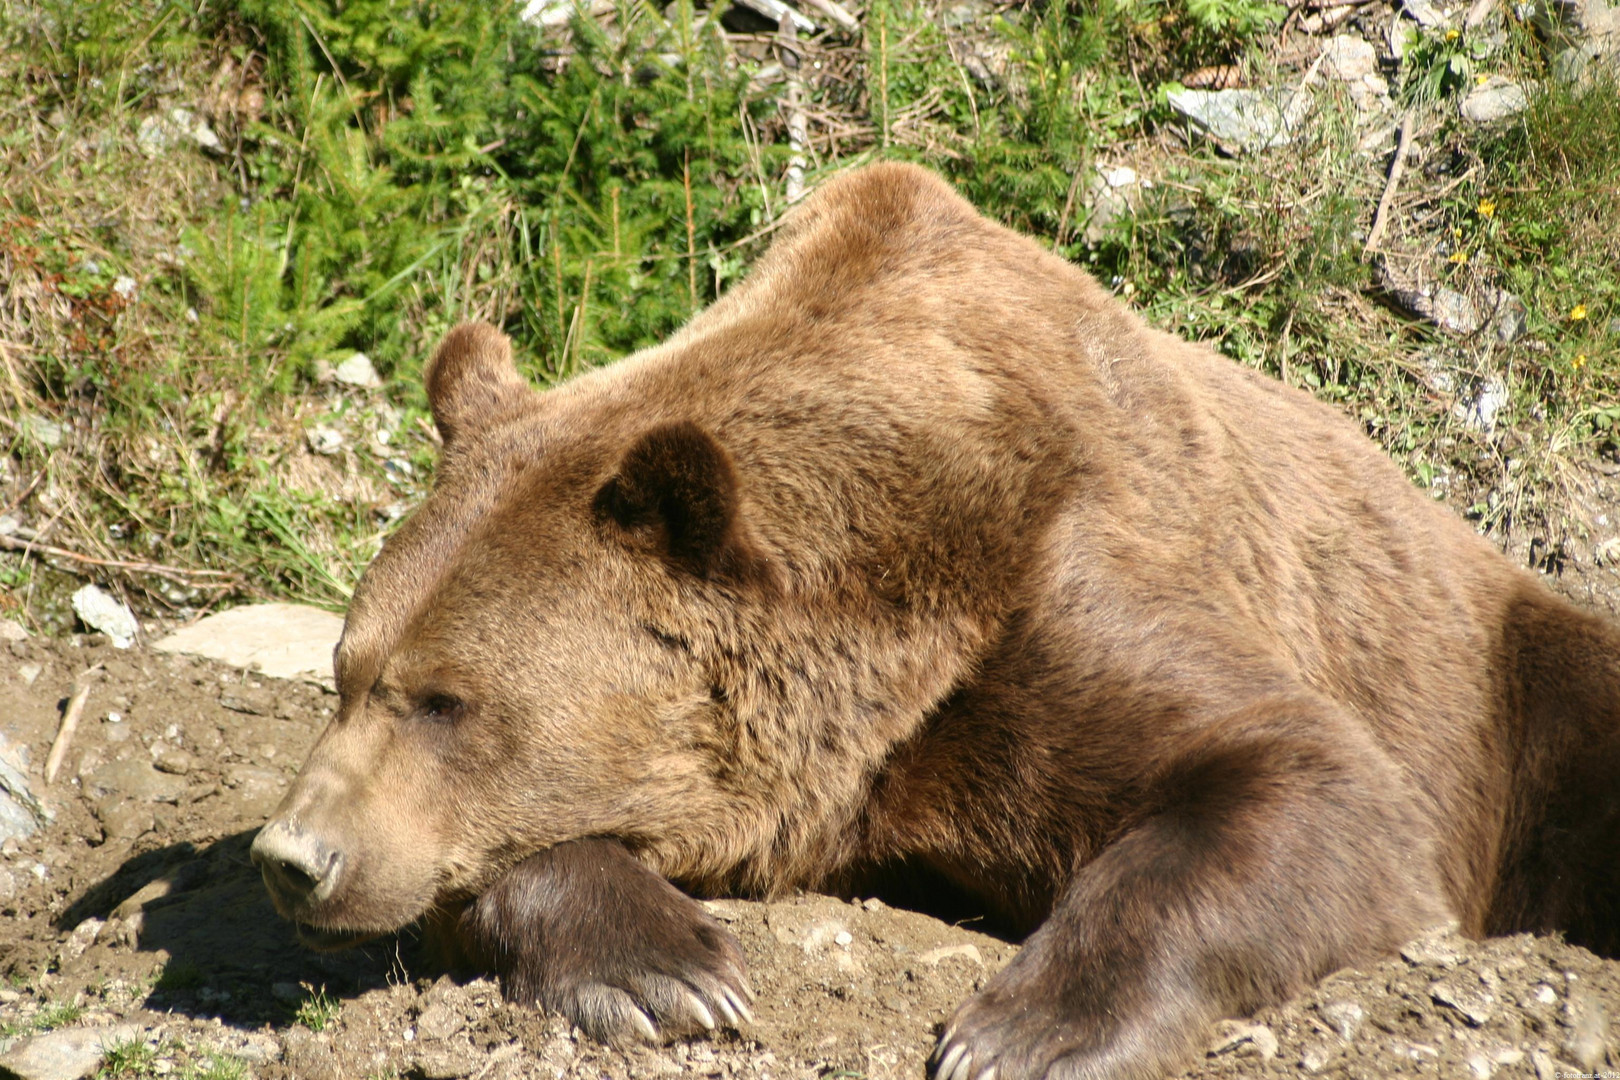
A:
x: 176, y: 574
x: 70, y: 722
x: 1381, y: 217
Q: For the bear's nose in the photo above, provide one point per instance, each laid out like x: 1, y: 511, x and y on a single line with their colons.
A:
x: 298, y: 867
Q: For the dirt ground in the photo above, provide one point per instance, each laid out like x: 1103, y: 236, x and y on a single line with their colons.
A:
x: 137, y: 905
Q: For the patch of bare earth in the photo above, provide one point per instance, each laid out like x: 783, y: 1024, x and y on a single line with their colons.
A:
x: 138, y: 903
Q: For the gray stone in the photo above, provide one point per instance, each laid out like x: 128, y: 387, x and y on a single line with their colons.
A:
x: 66, y: 1054
x: 1345, y: 1017
x: 12, y: 631
x: 47, y: 433
x: 162, y: 131
x: 440, y: 1021
x: 1350, y: 58
x: 1315, y: 1056
x: 1455, y: 312
x: 102, y: 611
x: 286, y: 641
x: 1579, y: 64
x: 357, y: 370
x: 125, y: 286
x: 1479, y: 411
x: 1497, y: 98
x: 1245, y: 121
x: 1508, y: 313
x: 1426, y: 13
x: 21, y: 812
x: 1574, y: 21
x: 134, y: 778
x: 1476, y: 1006
x: 439, y: 1065
x: 1238, y: 1037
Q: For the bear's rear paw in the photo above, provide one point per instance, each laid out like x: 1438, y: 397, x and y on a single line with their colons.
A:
x: 584, y: 929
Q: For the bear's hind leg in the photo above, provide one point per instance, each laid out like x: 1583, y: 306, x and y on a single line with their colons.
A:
x: 1275, y: 850
x: 584, y: 929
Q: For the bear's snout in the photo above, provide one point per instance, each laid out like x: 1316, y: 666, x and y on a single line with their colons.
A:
x: 299, y: 868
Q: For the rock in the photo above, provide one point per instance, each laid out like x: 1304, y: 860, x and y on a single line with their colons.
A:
x: 48, y: 433
x: 159, y: 132
x: 1425, y: 13
x: 1436, y: 945
x: 1479, y: 412
x: 173, y: 760
x: 133, y: 778
x: 324, y: 440
x: 1344, y: 1017
x: 286, y: 641
x: 28, y: 673
x: 1497, y: 98
x: 1111, y: 194
x: 1508, y: 313
x: 1453, y: 311
x: 439, y: 1065
x: 11, y: 631
x: 1349, y: 58
x: 1315, y: 1056
x: 124, y: 818
x: 103, y: 611
x: 1235, y: 1036
x: 1245, y: 121
x: 21, y: 812
x: 310, y: 1056
x: 1572, y: 22
x: 933, y: 957
x: 125, y: 287
x: 1476, y: 1006
x: 357, y: 370
x: 1581, y: 62
x: 440, y: 1021
x: 66, y: 1054
x: 1589, y: 1031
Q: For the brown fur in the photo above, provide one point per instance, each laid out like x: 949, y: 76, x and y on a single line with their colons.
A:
x: 919, y: 554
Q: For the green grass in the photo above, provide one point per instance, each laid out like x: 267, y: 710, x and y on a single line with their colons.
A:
x: 57, y: 1014
x: 133, y: 1060
x: 387, y: 170
x: 317, y: 1010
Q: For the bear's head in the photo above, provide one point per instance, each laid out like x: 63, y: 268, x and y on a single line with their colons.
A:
x: 530, y: 659
x: 691, y: 601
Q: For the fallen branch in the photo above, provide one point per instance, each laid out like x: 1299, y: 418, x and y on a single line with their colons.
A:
x: 178, y: 575
x: 1381, y: 217
x: 793, y: 95
x: 836, y: 13
x: 70, y: 722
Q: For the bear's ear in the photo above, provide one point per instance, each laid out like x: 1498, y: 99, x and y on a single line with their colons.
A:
x: 675, y: 494
x: 470, y: 376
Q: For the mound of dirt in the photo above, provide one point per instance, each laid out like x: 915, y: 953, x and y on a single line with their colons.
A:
x: 137, y: 906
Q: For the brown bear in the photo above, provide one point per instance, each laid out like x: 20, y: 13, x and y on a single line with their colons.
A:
x: 917, y: 556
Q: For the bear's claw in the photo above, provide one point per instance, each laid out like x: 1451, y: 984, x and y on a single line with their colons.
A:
x: 586, y: 930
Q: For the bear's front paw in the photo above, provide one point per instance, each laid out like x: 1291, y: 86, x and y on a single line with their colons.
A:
x: 673, y: 972
x: 584, y: 929
x: 1052, y: 1015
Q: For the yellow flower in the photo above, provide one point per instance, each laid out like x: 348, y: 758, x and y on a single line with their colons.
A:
x: 1481, y: 79
x: 1577, y: 313
x: 1453, y: 34
x: 1459, y: 257
x: 1579, y: 361
x: 1456, y: 231
x: 1487, y: 208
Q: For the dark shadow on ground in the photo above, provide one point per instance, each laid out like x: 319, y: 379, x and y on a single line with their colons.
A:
x: 226, y: 948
